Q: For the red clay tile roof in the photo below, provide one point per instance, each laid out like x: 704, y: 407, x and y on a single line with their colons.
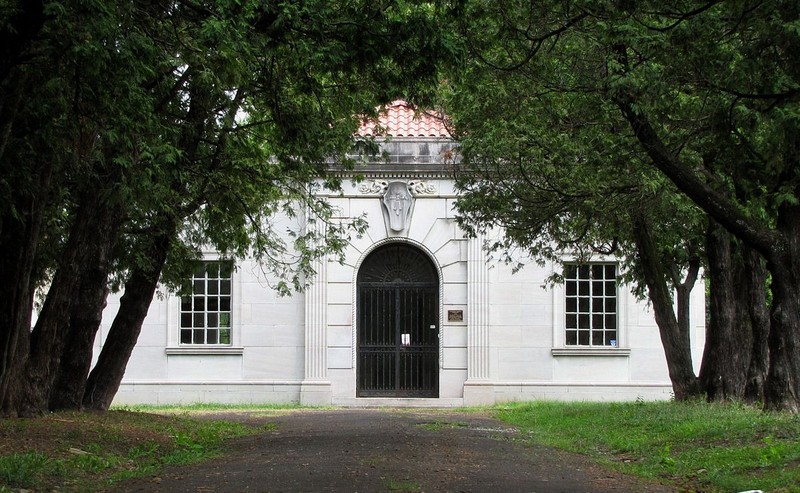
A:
x: 400, y: 119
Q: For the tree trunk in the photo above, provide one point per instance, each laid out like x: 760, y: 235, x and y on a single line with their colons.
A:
x: 47, y: 338
x: 683, y: 304
x: 779, y: 245
x: 755, y: 271
x: 105, y: 378
x: 683, y: 291
x: 89, y: 301
x: 782, y: 391
x: 17, y: 251
x: 728, y: 337
x: 71, y: 292
x: 19, y: 237
x: 676, y: 342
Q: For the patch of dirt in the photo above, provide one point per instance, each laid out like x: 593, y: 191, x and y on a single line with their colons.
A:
x: 386, y: 450
x: 55, y: 434
x: 81, y: 450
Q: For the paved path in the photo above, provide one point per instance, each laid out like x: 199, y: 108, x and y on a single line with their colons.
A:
x: 388, y: 450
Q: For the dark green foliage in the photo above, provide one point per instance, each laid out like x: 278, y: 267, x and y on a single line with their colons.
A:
x: 193, y: 125
x: 577, y: 117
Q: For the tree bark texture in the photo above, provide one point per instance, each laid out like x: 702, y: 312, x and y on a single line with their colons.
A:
x: 17, y: 251
x: 75, y: 284
x: 19, y: 236
x: 106, y: 376
x: 755, y: 282
x: 729, y: 335
x: 782, y: 390
x: 683, y: 293
x: 22, y: 210
x: 89, y: 301
x: 676, y: 342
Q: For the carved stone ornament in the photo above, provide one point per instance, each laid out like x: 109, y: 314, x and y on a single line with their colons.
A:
x: 417, y: 187
x: 373, y: 187
x: 397, y: 202
x: 420, y: 187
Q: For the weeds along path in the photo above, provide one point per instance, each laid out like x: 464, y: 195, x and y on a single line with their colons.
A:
x: 363, y: 450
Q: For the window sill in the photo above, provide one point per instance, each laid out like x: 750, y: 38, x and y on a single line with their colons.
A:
x: 203, y: 350
x: 592, y: 351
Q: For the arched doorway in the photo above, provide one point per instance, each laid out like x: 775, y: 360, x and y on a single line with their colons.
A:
x: 397, y: 324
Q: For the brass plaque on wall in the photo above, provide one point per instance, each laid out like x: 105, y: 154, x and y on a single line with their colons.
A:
x: 455, y: 315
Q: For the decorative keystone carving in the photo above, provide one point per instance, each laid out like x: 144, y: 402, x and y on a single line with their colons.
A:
x: 397, y: 203
x: 398, y: 199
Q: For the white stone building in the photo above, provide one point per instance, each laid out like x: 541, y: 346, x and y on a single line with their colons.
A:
x: 415, y: 315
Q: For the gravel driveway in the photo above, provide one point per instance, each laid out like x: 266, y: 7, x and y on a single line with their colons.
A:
x: 369, y: 450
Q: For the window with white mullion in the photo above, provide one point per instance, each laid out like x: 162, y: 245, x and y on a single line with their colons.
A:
x: 205, y: 316
x: 591, y: 304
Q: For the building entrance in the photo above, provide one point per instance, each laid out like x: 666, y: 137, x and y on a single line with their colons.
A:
x: 397, y: 324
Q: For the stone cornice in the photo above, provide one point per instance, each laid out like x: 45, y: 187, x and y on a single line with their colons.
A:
x: 387, y: 171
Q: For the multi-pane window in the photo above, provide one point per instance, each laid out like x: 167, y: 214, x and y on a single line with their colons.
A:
x: 591, y: 302
x: 206, y: 313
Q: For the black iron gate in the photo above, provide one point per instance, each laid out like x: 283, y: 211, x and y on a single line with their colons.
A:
x: 398, y: 331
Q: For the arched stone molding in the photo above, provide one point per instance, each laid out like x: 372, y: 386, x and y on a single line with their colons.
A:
x: 357, y: 268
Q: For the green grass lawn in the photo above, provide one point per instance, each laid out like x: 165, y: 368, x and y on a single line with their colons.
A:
x: 698, y: 446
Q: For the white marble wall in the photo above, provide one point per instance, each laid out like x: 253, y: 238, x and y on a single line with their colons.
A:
x: 509, y: 346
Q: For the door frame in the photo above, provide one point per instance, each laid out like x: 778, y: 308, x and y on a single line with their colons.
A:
x: 355, y: 308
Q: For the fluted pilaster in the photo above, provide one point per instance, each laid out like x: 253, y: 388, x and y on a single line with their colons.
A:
x: 316, y: 389
x: 477, y: 312
x: 316, y: 365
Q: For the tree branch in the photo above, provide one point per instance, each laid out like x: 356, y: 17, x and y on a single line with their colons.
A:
x: 724, y: 210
